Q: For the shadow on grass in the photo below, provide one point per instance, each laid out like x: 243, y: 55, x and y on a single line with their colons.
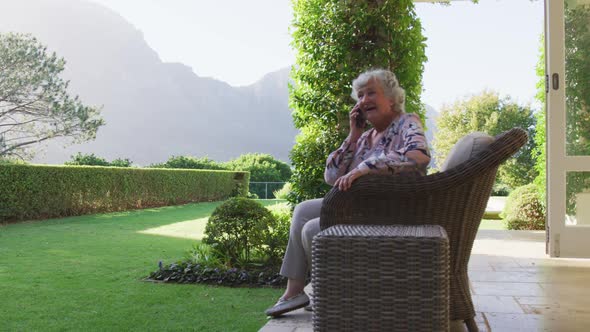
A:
x: 187, y: 229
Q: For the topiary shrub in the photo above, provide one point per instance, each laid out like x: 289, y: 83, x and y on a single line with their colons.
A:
x: 237, y: 228
x: 524, y: 209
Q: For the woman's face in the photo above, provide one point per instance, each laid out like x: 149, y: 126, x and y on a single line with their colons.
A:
x: 374, y: 103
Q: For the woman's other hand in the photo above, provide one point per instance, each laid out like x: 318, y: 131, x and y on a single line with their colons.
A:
x: 417, y: 156
x: 345, y: 181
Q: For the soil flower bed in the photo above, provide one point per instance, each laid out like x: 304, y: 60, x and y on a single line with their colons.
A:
x: 186, y: 273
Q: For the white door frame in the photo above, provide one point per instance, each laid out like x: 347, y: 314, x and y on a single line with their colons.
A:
x: 563, y: 240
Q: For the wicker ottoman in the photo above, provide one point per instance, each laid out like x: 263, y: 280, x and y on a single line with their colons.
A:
x: 381, y: 278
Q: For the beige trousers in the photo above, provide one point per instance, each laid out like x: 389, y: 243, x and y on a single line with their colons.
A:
x: 305, y: 224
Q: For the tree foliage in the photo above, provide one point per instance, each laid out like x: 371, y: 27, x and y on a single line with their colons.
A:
x: 491, y: 114
x: 262, y: 167
x: 12, y: 161
x: 120, y: 162
x: 34, y: 102
x: 93, y: 160
x: 335, y: 41
x: 190, y: 163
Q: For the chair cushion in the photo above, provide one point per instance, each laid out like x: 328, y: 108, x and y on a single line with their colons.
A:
x: 468, y: 146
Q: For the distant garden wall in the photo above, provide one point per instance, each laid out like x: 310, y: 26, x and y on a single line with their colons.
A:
x: 40, y: 191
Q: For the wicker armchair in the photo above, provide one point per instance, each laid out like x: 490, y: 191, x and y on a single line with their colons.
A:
x: 454, y: 199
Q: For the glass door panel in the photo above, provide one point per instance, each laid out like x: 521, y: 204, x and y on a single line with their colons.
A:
x: 577, y: 77
x: 577, y: 199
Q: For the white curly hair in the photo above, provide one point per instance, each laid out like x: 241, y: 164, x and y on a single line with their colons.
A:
x: 388, y: 82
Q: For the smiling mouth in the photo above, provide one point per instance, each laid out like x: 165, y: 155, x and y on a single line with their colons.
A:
x: 369, y: 109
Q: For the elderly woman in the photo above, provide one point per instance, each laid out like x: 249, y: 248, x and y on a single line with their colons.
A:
x: 394, y: 145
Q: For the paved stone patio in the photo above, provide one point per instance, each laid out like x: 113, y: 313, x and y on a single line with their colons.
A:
x: 515, y: 287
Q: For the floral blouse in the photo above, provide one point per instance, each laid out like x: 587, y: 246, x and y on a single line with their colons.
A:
x: 386, y: 157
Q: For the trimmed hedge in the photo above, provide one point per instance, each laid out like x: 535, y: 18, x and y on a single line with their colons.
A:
x: 42, y: 191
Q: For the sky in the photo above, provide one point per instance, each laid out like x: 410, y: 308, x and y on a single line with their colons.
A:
x: 491, y: 45
x: 236, y: 41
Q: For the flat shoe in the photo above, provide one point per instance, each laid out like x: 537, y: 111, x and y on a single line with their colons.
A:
x: 286, y: 305
x: 309, y: 307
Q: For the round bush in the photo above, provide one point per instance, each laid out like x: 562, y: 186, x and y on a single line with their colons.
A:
x: 524, y: 209
x: 237, y: 228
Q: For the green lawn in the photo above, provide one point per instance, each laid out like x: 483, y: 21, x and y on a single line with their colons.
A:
x: 85, y: 274
x: 492, y: 224
x: 491, y: 218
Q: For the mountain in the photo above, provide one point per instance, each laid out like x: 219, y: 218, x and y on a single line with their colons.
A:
x: 152, y: 109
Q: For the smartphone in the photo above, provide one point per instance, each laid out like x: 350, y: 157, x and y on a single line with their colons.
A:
x: 361, y: 120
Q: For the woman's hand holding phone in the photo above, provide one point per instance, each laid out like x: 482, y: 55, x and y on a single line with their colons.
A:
x: 358, y: 122
x: 360, y: 119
